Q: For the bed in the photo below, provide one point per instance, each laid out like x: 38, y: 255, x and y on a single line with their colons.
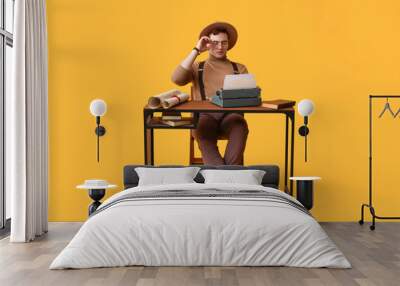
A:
x: 201, y: 224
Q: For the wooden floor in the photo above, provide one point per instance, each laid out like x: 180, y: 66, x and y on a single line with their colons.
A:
x: 375, y: 257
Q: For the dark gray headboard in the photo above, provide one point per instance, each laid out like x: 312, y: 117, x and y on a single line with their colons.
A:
x: 270, y: 179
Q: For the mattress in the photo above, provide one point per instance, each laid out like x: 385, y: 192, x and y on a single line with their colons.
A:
x: 201, y: 225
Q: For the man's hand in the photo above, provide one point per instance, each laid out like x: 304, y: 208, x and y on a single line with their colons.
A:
x: 203, y: 44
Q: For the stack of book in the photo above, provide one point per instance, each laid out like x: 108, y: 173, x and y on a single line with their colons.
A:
x: 237, y: 97
x: 168, y: 115
x: 278, y: 103
x: 174, y: 119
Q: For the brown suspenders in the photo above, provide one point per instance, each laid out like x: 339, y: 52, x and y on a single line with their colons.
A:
x: 201, y: 82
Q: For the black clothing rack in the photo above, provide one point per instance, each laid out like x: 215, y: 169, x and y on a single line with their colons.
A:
x: 370, y: 205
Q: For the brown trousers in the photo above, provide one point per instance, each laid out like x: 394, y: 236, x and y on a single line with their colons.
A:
x: 232, y: 126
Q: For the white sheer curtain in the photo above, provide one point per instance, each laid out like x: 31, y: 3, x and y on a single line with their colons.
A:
x: 26, y: 119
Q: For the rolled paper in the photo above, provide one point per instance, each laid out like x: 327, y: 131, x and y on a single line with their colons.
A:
x: 174, y: 100
x: 156, y: 101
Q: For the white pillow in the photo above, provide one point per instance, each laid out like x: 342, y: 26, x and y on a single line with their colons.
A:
x: 248, y: 177
x: 165, y: 176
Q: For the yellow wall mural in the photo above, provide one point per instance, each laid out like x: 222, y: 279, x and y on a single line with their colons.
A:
x: 335, y: 53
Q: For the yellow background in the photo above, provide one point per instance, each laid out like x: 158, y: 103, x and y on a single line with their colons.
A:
x: 335, y: 53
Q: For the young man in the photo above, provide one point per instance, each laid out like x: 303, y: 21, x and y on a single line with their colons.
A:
x: 207, y: 77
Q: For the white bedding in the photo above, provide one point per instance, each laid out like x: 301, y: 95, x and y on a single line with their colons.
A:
x: 200, y: 231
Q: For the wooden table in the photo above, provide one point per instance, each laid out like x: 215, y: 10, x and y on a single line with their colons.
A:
x: 151, y: 122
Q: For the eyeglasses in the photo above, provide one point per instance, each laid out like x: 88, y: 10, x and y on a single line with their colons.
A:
x: 223, y: 43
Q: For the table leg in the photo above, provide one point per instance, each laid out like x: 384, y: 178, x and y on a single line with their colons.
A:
x: 292, y: 117
x: 286, y: 153
x: 96, y: 195
x: 305, y: 193
x: 145, y: 136
x: 148, y: 139
x: 195, y: 116
x: 150, y: 146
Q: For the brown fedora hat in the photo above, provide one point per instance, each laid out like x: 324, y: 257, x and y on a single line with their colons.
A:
x: 232, y: 33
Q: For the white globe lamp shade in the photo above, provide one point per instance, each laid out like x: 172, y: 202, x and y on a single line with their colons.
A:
x: 98, y: 107
x: 305, y: 107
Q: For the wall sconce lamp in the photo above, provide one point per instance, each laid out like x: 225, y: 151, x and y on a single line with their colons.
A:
x: 305, y: 108
x: 98, y: 108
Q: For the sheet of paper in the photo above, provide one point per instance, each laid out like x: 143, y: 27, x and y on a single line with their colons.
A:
x: 239, y: 81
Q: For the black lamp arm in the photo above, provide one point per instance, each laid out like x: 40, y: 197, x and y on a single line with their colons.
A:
x: 303, y: 131
x: 100, y: 131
